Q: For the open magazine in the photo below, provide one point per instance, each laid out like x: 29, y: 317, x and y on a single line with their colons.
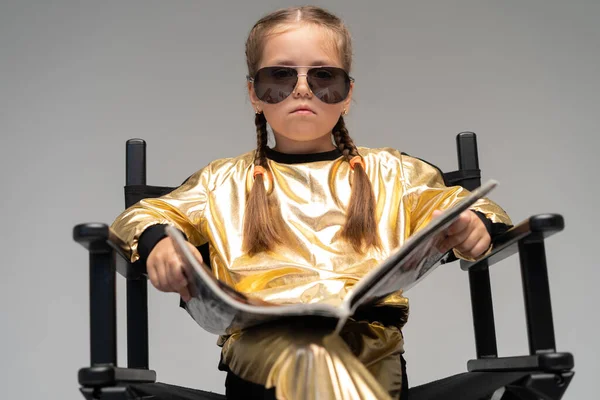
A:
x: 220, y: 309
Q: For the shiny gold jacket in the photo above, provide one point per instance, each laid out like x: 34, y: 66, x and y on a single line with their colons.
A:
x: 313, y: 193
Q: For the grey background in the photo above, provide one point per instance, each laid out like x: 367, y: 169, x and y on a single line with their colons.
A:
x: 79, y: 78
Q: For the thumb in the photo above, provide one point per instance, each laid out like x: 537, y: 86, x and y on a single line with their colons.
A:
x: 436, y: 213
x: 185, y: 294
x: 198, y: 256
x: 195, y: 252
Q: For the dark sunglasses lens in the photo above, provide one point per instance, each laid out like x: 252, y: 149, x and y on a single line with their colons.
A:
x: 275, y: 84
x: 331, y: 85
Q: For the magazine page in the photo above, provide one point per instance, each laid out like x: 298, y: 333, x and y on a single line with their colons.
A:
x: 220, y: 309
x: 415, y: 259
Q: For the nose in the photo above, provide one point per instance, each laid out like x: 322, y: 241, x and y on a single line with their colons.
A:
x: 302, y: 89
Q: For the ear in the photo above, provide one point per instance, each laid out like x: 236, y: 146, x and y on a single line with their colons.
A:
x: 253, y: 98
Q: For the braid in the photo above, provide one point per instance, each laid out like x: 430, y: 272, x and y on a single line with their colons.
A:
x: 261, y: 140
x: 360, y: 228
x: 343, y: 140
x: 263, y: 224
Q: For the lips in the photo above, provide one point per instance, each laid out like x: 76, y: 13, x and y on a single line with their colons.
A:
x: 303, y: 110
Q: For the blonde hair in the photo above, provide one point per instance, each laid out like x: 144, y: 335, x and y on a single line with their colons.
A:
x: 263, y: 223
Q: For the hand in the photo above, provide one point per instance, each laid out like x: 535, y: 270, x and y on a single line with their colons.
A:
x: 165, y: 268
x: 467, y: 234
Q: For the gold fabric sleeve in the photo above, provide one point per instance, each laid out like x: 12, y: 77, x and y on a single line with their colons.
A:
x: 427, y: 193
x: 183, y: 208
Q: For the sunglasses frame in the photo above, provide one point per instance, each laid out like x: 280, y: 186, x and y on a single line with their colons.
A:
x: 298, y: 75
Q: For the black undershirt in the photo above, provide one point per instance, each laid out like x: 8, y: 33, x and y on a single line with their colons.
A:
x: 286, y: 158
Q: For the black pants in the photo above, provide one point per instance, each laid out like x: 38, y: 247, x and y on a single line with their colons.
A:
x: 237, y: 388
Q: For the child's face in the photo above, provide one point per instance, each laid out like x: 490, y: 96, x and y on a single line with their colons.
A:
x: 305, y: 45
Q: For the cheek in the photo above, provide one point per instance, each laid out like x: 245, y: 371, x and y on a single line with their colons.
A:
x: 274, y: 117
x: 333, y: 112
x: 329, y: 116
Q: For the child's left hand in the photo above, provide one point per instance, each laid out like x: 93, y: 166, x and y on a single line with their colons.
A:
x: 467, y: 234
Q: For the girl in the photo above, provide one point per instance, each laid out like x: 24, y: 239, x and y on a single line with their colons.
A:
x: 304, y: 221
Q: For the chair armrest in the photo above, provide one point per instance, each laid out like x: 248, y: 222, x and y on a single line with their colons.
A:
x: 98, y: 238
x: 537, y: 227
x: 109, y: 375
x: 546, y: 362
x: 92, y: 236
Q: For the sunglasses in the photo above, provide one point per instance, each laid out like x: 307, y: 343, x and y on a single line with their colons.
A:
x: 272, y: 85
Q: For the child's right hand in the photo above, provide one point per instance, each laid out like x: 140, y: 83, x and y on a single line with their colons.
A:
x: 165, y: 268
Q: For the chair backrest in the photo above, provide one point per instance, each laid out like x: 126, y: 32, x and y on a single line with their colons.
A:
x: 469, y: 177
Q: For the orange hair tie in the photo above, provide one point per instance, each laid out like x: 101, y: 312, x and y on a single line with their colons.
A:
x: 357, y: 160
x: 258, y: 170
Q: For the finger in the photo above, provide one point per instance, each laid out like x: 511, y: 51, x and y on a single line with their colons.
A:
x: 457, y: 239
x: 461, y: 223
x: 198, y: 256
x: 185, y: 294
x: 467, y: 245
x: 481, y: 247
x: 152, y: 275
x: 445, y: 245
x: 443, y: 242
x: 441, y: 248
x: 179, y: 275
x: 162, y: 272
x: 175, y: 274
x: 195, y: 252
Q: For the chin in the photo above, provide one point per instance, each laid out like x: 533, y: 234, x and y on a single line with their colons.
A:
x: 303, y: 135
x: 303, y: 131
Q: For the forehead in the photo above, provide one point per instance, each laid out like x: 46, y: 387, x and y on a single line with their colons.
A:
x: 305, y: 44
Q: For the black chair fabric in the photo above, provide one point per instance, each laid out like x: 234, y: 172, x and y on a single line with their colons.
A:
x: 481, y: 385
x: 163, y: 391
